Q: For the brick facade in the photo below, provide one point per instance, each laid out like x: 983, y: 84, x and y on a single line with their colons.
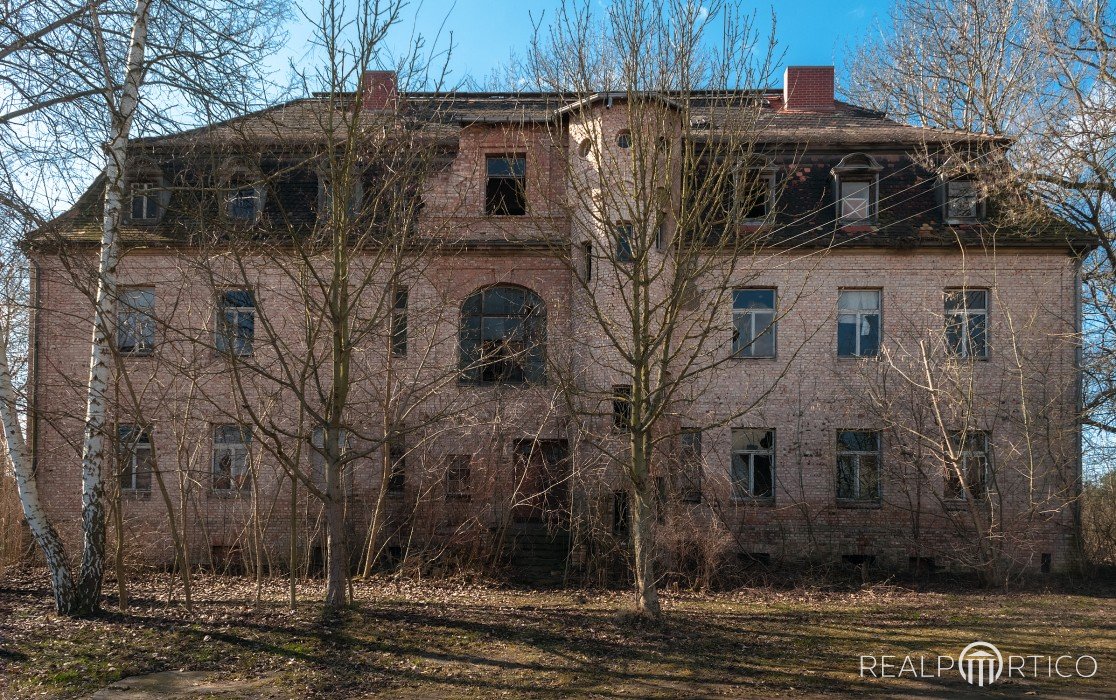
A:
x: 1024, y: 392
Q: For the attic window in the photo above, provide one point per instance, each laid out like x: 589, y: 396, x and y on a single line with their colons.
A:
x: 243, y: 204
x: 963, y: 203
x: 145, y: 201
x: 857, y: 185
x: 624, y: 139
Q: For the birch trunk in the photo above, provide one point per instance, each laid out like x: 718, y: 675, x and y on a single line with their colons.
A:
x: 93, y: 448
x: 61, y: 581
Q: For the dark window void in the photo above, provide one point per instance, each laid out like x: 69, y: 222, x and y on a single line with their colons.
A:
x: 503, y: 337
x: 622, y: 408
x: 505, y: 192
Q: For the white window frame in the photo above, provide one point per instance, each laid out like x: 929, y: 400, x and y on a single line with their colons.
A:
x: 861, y: 315
x: 966, y: 455
x: 749, y: 351
x: 130, y: 454
x: 843, y: 200
x: 748, y: 457
x: 228, y: 338
x: 239, y: 454
x: 135, y: 322
x: 962, y: 316
x: 151, y: 194
x: 858, y: 456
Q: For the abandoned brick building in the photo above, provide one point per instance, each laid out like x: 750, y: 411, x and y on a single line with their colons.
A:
x: 887, y: 311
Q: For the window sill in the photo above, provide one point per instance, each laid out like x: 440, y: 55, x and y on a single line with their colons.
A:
x: 136, y: 494
x: 490, y: 215
x: 857, y: 226
x: 136, y: 355
x: 734, y: 356
x: 853, y: 358
x: 964, y: 222
x: 851, y: 504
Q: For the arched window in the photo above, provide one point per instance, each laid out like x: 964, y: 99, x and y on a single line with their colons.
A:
x: 503, y: 336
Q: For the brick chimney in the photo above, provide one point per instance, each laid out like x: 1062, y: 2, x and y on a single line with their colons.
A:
x: 808, y: 89
x: 379, y: 90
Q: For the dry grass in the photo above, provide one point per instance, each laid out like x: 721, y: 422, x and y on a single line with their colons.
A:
x: 457, y: 640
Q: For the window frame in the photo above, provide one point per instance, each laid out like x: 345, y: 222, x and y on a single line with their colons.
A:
x: 860, y: 314
x: 240, y: 450
x: 498, y: 206
x: 531, y: 360
x: 401, y: 298
x: 765, y: 175
x: 877, y: 454
x: 151, y: 190
x: 130, y: 316
x: 691, y: 465
x: 772, y: 328
x: 459, y: 471
x: 857, y: 168
x: 966, y: 313
x: 397, y: 459
x: 621, y: 399
x: 233, y: 195
x: 957, y: 492
x: 624, y: 232
x: 128, y: 453
x: 978, y: 208
x: 748, y: 459
x: 227, y: 338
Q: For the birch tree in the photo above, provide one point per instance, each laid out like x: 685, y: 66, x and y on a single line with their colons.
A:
x: 76, y: 87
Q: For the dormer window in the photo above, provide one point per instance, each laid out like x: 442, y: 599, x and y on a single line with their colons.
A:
x: 624, y: 139
x: 856, y: 201
x: 963, y: 202
x: 145, y: 201
x: 353, y: 202
x: 857, y: 184
x: 243, y: 204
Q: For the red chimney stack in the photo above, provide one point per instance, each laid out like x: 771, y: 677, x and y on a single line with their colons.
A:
x: 379, y: 90
x: 808, y: 89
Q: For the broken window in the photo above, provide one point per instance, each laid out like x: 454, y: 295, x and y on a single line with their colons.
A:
x: 966, y: 322
x: 858, y: 465
x: 231, y: 451
x: 688, y: 481
x: 622, y: 408
x: 624, y: 243
x: 397, y: 456
x: 505, y: 191
x: 399, y: 323
x: 753, y: 463
x: 968, y: 476
x: 137, y: 458
x: 503, y: 337
x: 458, y: 472
x: 963, y: 202
x: 243, y: 204
x: 135, y: 324
x: 753, y: 319
x: 236, y: 321
x: 858, y: 323
x: 621, y: 513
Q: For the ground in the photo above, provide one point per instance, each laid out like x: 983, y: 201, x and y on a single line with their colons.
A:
x: 449, y: 640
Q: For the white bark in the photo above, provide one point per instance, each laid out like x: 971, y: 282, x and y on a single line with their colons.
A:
x: 93, y: 450
x: 46, y: 537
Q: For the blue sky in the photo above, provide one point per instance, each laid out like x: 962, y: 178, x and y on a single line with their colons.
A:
x: 487, y: 32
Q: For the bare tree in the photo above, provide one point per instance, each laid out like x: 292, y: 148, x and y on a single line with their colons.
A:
x: 659, y: 149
